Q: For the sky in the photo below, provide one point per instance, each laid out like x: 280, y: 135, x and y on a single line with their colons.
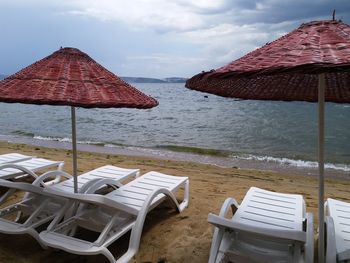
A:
x: 152, y: 38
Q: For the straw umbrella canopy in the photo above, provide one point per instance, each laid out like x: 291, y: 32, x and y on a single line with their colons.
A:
x: 69, y: 77
x: 311, y: 63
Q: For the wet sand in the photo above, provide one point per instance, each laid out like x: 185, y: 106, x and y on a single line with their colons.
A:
x: 168, y: 236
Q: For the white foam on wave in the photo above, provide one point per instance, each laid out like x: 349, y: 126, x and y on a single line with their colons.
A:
x: 57, y: 139
x: 295, y: 163
x: 111, y: 145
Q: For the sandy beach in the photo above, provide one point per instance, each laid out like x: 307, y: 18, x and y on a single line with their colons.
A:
x: 168, y: 236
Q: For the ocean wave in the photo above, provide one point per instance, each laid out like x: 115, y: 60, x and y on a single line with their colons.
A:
x: 58, y: 139
x: 111, y: 145
x: 23, y: 133
x: 295, y: 163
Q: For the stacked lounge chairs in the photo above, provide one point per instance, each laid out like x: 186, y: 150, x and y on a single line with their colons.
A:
x: 111, y: 215
x: 266, y: 227
x: 114, y: 214
x: 38, y: 207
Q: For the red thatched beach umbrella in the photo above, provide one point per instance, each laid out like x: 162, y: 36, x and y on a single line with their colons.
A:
x: 311, y: 63
x: 70, y: 77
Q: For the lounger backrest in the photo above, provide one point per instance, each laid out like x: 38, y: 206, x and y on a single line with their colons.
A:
x: 135, y: 193
x: 340, y: 212
x: 270, y: 210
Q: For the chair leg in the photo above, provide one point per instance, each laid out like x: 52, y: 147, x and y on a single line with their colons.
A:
x: 309, y: 245
x: 215, y: 244
x: 6, y: 195
x: 109, y: 255
x: 185, y: 201
x: 35, y: 235
x: 331, y: 252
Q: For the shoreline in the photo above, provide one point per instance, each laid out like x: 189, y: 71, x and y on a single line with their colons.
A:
x: 164, y: 154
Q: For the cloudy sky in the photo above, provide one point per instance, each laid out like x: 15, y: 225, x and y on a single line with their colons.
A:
x: 151, y: 38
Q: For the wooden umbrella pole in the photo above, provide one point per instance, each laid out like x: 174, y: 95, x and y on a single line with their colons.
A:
x: 321, y: 102
x: 74, y: 148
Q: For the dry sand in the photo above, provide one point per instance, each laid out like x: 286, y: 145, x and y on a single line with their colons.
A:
x: 168, y: 236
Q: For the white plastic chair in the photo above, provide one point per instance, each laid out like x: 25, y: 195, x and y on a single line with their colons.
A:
x: 114, y: 214
x: 39, y: 207
x: 337, y: 230
x: 266, y: 227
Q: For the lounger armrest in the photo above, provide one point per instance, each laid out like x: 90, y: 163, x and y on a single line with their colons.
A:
x: 222, y: 222
x: 230, y: 203
x: 92, y: 186
x: 20, y: 168
x: 331, y: 251
x: 60, y: 166
x: 309, y: 245
x: 57, y: 174
x: 218, y: 233
x: 58, y: 177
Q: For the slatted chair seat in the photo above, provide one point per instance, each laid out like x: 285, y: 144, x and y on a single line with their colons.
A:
x: 271, y: 210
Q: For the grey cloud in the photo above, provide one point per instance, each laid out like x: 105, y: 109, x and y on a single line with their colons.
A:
x: 209, y: 10
x: 276, y: 11
x: 208, y: 34
x: 268, y: 12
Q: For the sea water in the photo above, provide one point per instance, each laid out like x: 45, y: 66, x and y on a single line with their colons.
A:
x: 186, y: 120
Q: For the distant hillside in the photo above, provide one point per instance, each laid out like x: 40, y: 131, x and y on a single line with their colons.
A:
x: 153, y: 80
x: 175, y: 80
x: 141, y: 80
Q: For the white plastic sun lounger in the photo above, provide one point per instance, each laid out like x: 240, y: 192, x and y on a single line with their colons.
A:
x: 39, y: 207
x: 338, y: 231
x: 266, y: 227
x: 113, y: 215
x: 11, y: 171
x: 13, y: 158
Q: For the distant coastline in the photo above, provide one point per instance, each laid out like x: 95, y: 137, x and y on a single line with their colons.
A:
x: 141, y: 79
x: 154, y: 80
